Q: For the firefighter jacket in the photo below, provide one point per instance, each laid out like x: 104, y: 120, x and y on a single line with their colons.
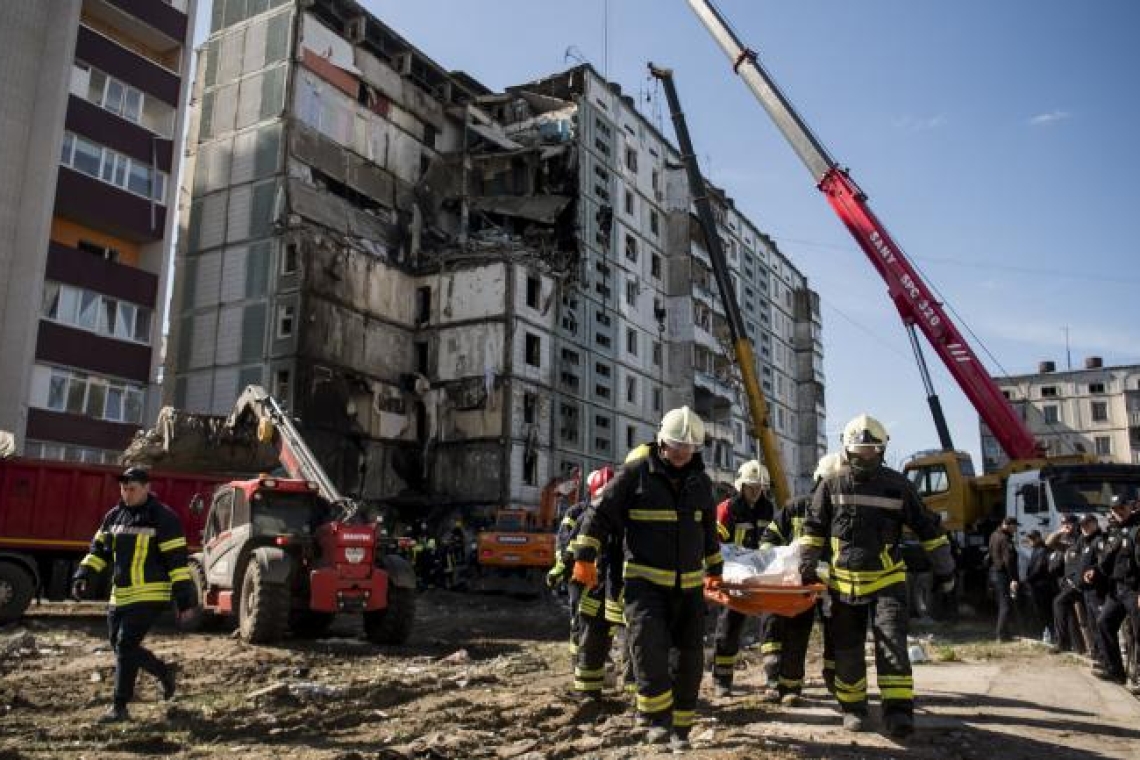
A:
x: 788, y: 524
x: 1003, y: 555
x: 1124, y: 571
x: 608, y: 601
x: 742, y: 523
x: 861, y: 520
x: 567, y: 531
x: 145, y: 550
x: 666, y: 516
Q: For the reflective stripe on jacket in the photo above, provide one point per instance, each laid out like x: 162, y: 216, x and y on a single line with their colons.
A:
x: 145, y: 550
x: 742, y: 523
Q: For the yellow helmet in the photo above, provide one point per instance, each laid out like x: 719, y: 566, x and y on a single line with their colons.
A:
x: 682, y: 427
x: 752, y: 473
x: 864, y: 443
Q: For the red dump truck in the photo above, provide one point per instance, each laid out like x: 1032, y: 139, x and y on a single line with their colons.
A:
x: 50, y: 510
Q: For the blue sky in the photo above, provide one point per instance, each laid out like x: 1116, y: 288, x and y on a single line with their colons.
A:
x: 996, y: 140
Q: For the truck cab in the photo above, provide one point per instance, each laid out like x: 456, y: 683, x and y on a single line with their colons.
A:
x: 1040, y: 499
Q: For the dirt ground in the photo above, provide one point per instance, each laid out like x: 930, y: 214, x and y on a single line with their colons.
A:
x: 489, y: 677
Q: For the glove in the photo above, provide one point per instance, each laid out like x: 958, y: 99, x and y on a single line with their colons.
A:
x: 945, y: 583
x: 79, y: 589
x: 556, y: 574
x: 585, y: 573
x: 713, y: 583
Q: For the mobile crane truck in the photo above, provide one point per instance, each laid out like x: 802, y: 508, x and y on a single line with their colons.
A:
x: 1036, y: 488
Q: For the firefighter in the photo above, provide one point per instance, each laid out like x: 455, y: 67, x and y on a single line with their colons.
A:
x: 141, y: 542
x: 662, y: 504
x: 568, y: 528
x: 600, y: 609
x: 859, y: 512
x: 785, y: 528
x: 1122, y: 577
x: 740, y: 521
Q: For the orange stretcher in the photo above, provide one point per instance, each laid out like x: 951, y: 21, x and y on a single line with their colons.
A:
x: 757, y: 598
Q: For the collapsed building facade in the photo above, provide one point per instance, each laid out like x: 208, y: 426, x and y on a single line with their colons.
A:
x: 461, y: 294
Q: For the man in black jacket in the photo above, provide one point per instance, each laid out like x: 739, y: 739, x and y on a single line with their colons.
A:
x: 1004, y: 578
x: 1041, y: 583
x: 141, y: 541
x: 661, y: 503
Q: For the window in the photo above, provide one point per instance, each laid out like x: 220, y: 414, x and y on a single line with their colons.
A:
x: 1049, y: 391
x: 631, y: 390
x: 657, y: 399
x: 1051, y: 415
x: 629, y: 203
x: 533, y: 350
x: 285, y: 318
x: 655, y: 266
x: 530, y: 407
x: 631, y: 341
x: 289, y: 260
x: 281, y: 384
x: 1096, y: 387
x: 568, y: 415
x: 631, y: 159
x: 423, y: 305
x: 533, y: 289
x: 103, y: 315
x: 530, y: 469
x: 1103, y: 445
x: 630, y: 436
x: 121, y: 99
x: 631, y: 248
x: 654, y: 225
x: 631, y: 291
x: 106, y: 165
x: 93, y: 396
x: 96, y: 249
x: 602, y: 370
x: 1099, y: 411
x: 657, y: 353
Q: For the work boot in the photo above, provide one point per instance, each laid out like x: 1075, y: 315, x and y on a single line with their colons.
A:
x: 899, y: 725
x: 115, y: 714
x: 657, y: 735
x: 169, y: 683
x: 854, y: 722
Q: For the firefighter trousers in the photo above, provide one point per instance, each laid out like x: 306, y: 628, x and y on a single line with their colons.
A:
x: 594, y: 645
x: 126, y: 629
x: 661, y: 619
x: 797, y: 632
x: 887, y: 614
x: 729, y: 630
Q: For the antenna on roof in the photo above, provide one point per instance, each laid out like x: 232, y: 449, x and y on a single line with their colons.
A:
x: 573, y: 54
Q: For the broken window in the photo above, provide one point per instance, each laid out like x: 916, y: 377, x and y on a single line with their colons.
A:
x: 629, y: 203
x: 631, y: 159
x: 533, y: 350
x: 102, y: 251
x: 630, y: 436
x: 657, y: 353
x: 422, y: 357
x: 568, y: 417
x: 281, y: 385
x: 631, y: 290
x: 631, y: 341
x: 423, y: 305
x: 286, y: 314
x: 530, y: 468
x: 530, y: 407
x: 653, y: 223
x: 631, y: 248
x: 631, y: 389
x: 533, y: 288
x: 289, y: 259
x: 657, y: 402
x: 655, y: 266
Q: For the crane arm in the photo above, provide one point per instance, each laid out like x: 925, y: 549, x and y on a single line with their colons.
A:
x: 913, y: 299
x: 745, y: 359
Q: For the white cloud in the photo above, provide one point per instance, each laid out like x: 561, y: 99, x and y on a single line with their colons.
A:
x: 919, y: 123
x: 1045, y: 119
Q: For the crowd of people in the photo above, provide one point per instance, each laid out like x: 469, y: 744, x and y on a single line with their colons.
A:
x: 1081, y: 587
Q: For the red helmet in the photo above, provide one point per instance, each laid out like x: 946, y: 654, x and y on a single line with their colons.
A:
x: 598, y: 479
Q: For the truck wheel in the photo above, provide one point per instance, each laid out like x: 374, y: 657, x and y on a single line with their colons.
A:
x: 264, y: 611
x: 310, y: 624
x: 16, y: 589
x: 393, y: 624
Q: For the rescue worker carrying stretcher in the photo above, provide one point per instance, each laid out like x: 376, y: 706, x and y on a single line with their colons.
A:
x: 740, y: 521
x: 859, y: 512
x: 662, y: 505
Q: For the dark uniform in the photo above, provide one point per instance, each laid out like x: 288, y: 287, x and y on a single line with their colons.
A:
x: 666, y: 515
x: 145, y: 550
x: 1078, y: 555
x: 1003, y: 571
x: 564, y: 547
x: 1121, y: 571
x: 1042, y: 589
x: 741, y: 523
x: 861, y: 519
x: 600, y: 611
x: 1093, y: 553
x: 784, y: 529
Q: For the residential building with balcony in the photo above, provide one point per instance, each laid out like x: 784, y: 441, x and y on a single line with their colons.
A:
x: 94, y: 102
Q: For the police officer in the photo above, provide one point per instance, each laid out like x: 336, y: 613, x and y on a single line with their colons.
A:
x: 786, y: 528
x: 662, y: 505
x: 1004, y: 577
x: 1094, y: 547
x: 1070, y: 597
x: 860, y: 513
x: 141, y: 542
x: 1119, y: 567
x: 740, y: 521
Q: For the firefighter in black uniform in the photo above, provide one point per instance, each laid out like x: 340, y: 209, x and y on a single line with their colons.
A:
x: 662, y: 503
x: 560, y: 573
x: 141, y: 541
x: 860, y: 513
x: 740, y: 521
x: 786, y: 528
x: 1122, y: 576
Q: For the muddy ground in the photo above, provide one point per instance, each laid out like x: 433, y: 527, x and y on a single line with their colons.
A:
x: 489, y: 677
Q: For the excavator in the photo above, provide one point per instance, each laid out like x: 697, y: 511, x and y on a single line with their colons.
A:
x: 1037, y: 487
x: 279, y: 553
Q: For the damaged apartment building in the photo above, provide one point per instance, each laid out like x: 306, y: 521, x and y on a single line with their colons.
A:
x: 461, y: 294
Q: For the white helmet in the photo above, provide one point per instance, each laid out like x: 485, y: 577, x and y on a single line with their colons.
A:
x: 752, y: 473
x: 682, y: 427
x: 864, y: 443
x: 828, y: 465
